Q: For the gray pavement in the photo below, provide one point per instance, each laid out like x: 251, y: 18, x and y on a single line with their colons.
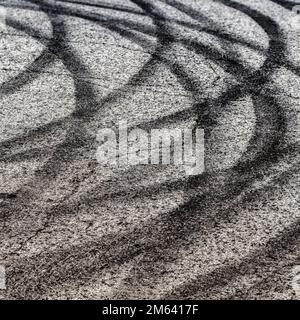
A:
x: 73, y: 228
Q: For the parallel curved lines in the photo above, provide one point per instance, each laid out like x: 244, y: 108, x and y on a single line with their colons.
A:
x: 48, y: 168
x: 210, y: 200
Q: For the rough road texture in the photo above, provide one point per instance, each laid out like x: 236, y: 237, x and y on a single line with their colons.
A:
x: 71, y: 228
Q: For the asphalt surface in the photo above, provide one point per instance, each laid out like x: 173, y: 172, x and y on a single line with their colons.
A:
x: 73, y: 228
